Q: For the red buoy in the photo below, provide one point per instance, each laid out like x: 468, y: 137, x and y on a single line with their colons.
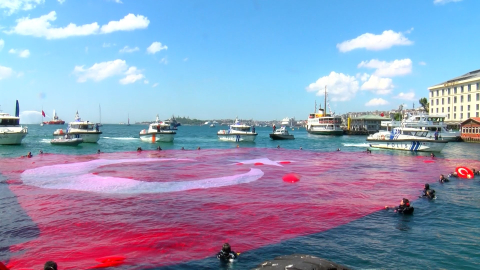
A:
x: 291, y: 178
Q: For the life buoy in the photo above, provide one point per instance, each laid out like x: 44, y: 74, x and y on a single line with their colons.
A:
x: 382, y: 137
x: 223, y: 131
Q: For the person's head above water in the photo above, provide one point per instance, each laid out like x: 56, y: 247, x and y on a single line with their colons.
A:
x: 226, y: 248
x: 50, y: 265
x: 427, y: 186
x: 405, y: 202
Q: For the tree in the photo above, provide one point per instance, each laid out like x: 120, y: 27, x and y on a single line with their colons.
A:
x: 397, y: 116
x: 425, y: 104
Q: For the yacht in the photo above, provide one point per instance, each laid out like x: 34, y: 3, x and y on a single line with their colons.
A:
x: 406, y: 139
x: 324, y: 124
x: 287, y: 122
x: 11, y: 132
x: 86, y: 130
x: 237, y: 133
x: 429, y: 123
x: 159, y: 131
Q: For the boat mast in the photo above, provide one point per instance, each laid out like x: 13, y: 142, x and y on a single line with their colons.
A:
x: 100, y: 112
x: 325, y: 107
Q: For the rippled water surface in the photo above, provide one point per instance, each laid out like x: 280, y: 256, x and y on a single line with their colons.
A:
x: 173, y: 209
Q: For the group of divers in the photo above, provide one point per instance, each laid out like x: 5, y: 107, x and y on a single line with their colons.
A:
x: 428, y: 193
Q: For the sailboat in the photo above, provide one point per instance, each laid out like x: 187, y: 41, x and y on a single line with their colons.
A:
x: 128, y: 120
x: 100, y: 114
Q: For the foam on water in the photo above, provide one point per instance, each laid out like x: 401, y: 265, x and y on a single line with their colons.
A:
x: 363, y: 145
x: 121, y: 138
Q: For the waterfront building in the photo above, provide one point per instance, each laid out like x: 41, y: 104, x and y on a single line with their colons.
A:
x: 367, y: 123
x: 458, y: 98
x: 470, y: 129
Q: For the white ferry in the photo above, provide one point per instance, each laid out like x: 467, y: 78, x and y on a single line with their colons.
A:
x: 237, y: 133
x: 86, y: 130
x: 11, y: 132
x: 324, y: 124
x: 429, y: 123
x: 159, y: 131
x: 406, y: 139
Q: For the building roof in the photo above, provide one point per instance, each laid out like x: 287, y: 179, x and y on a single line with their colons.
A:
x: 371, y: 117
x: 468, y: 76
x: 475, y: 119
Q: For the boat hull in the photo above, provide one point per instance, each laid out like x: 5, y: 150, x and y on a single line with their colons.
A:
x: 12, y: 138
x: 281, y: 137
x: 61, y: 122
x: 67, y: 142
x: 90, y: 137
x: 237, y: 137
x: 326, y: 132
x: 158, y: 137
x: 409, y: 145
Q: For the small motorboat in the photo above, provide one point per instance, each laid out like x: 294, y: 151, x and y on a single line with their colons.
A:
x: 281, y: 134
x: 67, y: 141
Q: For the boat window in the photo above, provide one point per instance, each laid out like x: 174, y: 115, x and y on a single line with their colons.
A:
x: 10, y: 122
x: 407, y: 133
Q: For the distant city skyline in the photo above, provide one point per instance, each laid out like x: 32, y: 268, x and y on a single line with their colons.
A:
x: 260, y: 60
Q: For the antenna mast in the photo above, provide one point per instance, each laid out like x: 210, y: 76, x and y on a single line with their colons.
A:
x: 325, y: 107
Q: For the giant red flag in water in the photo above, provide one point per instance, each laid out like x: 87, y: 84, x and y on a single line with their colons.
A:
x: 151, y: 209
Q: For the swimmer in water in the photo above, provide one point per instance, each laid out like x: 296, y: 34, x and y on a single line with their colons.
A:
x: 442, y: 179
x: 40, y: 152
x: 338, y: 149
x: 183, y: 148
x: 139, y: 149
x: 432, y: 155
x: 427, y: 192
x: 198, y: 148
x: 453, y: 174
x: 50, y: 265
x: 226, y: 254
x: 29, y: 155
x: 159, y: 148
x: 98, y: 151
x: 278, y: 146
x: 403, y: 208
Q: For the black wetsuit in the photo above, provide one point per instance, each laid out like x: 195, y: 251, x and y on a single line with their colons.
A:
x: 403, y: 209
x: 224, y: 256
x: 443, y: 180
x: 428, y: 193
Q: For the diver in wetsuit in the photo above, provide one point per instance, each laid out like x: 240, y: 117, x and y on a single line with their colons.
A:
x: 226, y: 254
x: 442, y: 179
x: 427, y: 192
x: 403, y: 208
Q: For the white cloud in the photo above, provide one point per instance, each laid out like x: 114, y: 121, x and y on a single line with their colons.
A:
x: 421, y: 63
x: 108, y: 45
x: 13, y: 6
x: 118, y: 1
x: 145, y: 81
x: 41, y: 27
x: 376, y: 102
x: 156, y: 47
x: 100, y: 71
x: 5, y: 72
x: 128, y: 23
x: 406, y: 96
x: 374, y: 42
x: 442, y: 2
x: 388, y: 69
x: 20, y: 53
x: 155, y: 85
x: 381, y: 86
x: 2, y: 44
x: 164, y: 60
x: 340, y: 87
x: 133, y: 75
x: 61, y: 1
x: 127, y: 49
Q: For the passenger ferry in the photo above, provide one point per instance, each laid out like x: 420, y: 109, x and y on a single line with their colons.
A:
x: 159, y: 131
x: 88, y: 131
x: 324, y: 124
x: 406, y: 139
x: 237, y: 133
x: 11, y: 132
x: 429, y: 123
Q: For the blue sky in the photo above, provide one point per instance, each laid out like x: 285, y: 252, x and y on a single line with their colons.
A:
x: 220, y: 59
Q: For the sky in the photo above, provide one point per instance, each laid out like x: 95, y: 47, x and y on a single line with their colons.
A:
x: 255, y: 59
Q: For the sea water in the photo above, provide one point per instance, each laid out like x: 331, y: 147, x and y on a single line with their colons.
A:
x: 333, y: 212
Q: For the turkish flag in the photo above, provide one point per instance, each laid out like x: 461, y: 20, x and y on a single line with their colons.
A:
x: 382, y: 115
x: 43, y: 113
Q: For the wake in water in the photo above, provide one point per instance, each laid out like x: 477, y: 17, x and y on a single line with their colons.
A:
x: 121, y: 138
x: 362, y: 145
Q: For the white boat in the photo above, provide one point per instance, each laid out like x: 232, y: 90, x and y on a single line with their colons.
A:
x: 159, y: 131
x: 212, y: 125
x: 67, y: 141
x: 286, y: 122
x: 86, y: 130
x: 237, y: 133
x: 321, y: 123
x: 429, y: 123
x: 281, y: 134
x: 406, y: 139
x: 11, y: 132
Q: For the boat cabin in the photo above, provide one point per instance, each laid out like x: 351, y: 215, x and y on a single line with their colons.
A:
x: 8, y: 120
x: 410, y: 132
x: 243, y: 128
x: 84, y: 126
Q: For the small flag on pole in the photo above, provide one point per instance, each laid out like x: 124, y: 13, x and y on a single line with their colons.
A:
x: 43, y: 113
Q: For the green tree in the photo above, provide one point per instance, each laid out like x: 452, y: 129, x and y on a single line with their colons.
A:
x: 425, y: 104
x: 397, y: 117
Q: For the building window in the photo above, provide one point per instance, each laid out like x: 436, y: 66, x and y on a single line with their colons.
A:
x: 461, y: 108
x: 468, y: 108
x: 432, y: 101
x: 469, y: 87
x: 478, y: 96
x: 442, y: 101
x: 468, y: 115
x: 469, y: 98
x: 448, y: 91
x: 448, y: 109
x: 461, y: 116
x: 437, y: 101
x: 442, y: 110
x: 431, y: 93
x: 461, y: 89
x: 431, y: 111
x: 477, y: 114
x: 437, y: 110
x: 454, y: 99
x: 478, y: 86
x: 461, y: 99
x: 454, y: 90
x: 477, y: 107
x: 454, y: 108
x: 448, y: 100
x: 443, y: 93
x: 454, y: 116
x: 448, y: 116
